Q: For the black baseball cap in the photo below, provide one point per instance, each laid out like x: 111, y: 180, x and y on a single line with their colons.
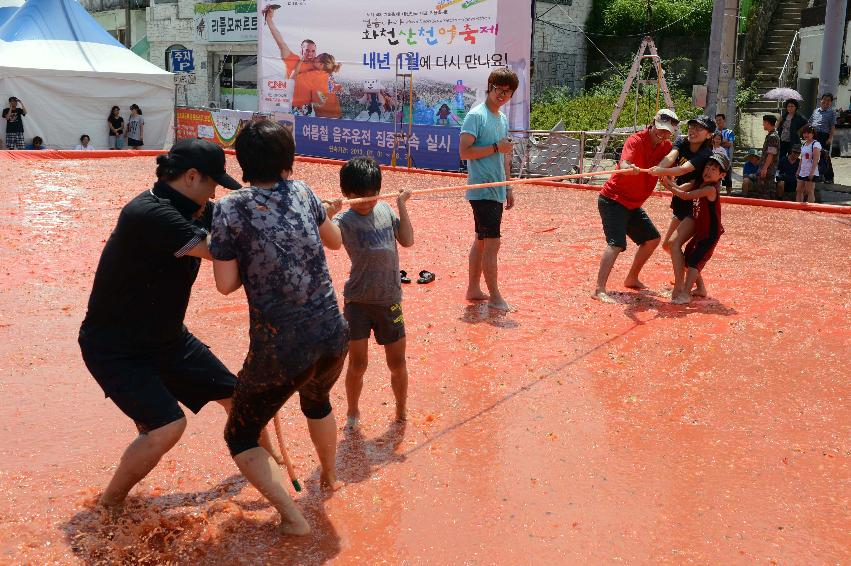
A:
x: 704, y: 122
x: 721, y: 160
x: 206, y: 157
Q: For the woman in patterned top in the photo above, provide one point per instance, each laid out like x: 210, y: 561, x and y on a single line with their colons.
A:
x: 269, y: 237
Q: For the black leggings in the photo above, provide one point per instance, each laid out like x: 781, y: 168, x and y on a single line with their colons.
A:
x: 262, y: 389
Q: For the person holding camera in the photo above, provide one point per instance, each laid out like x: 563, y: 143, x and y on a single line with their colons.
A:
x: 13, y: 115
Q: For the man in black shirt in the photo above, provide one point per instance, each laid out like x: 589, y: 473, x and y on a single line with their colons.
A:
x: 13, y: 116
x: 133, y: 339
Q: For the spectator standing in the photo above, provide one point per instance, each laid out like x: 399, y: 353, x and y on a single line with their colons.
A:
x: 135, y: 127
x: 808, y: 172
x: 728, y: 137
x: 787, y: 171
x: 768, y: 163
x: 824, y: 122
x: 790, y: 128
x: 84, y: 143
x: 116, y: 128
x: 13, y: 115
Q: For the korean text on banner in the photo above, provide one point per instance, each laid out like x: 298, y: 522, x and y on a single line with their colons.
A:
x: 362, y: 63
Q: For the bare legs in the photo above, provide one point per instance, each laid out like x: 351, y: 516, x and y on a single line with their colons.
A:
x: 607, y: 262
x: 358, y: 362
x: 684, y: 231
x: 806, y: 191
x: 263, y: 472
x: 395, y: 355
x: 483, y: 261
x: 145, y: 452
x: 642, y: 254
x: 323, y: 433
x: 139, y: 459
x: 672, y: 227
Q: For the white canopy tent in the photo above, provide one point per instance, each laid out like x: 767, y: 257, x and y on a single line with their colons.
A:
x: 69, y: 72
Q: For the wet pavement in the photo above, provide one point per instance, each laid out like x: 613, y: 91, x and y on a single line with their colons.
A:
x: 569, y: 431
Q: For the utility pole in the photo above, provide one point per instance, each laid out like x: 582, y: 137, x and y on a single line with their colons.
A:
x: 714, y: 65
x: 831, y: 50
x: 727, y: 76
x: 128, y: 42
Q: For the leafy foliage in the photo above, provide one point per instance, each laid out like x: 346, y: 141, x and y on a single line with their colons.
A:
x: 748, y: 92
x: 629, y: 17
x: 591, y: 109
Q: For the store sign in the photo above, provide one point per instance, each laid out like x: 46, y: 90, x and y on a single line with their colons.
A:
x: 217, y: 126
x: 226, y: 22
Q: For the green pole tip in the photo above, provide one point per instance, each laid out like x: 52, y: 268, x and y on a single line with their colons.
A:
x: 296, y: 485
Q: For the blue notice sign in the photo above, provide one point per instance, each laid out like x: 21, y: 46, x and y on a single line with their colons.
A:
x: 432, y: 147
x: 182, y: 61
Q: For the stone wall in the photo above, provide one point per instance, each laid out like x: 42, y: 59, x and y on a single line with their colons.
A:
x: 560, y: 49
x: 759, y: 25
x: 622, y: 50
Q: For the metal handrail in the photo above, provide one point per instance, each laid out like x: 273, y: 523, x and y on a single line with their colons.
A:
x: 781, y: 79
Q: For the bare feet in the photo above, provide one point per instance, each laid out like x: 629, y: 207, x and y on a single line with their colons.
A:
x: 500, y: 305
x: 634, y: 283
x: 329, y: 482
x: 352, y: 423
x: 294, y: 523
x: 401, y: 414
x: 699, y: 292
x: 113, y: 509
x: 603, y: 297
x: 681, y: 299
x: 476, y: 295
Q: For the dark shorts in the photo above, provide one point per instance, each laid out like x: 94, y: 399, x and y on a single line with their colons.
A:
x: 134, y: 143
x: 816, y: 179
x: 697, y: 253
x: 264, y: 387
x: 488, y: 217
x: 387, y: 322
x: 682, y: 208
x: 147, y: 386
x: 620, y: 222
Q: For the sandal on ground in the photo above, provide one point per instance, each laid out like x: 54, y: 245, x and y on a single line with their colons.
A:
x: 403, y: 276
x: 425, y: 277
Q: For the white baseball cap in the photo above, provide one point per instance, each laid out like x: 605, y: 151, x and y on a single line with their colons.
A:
x: 666, y: 119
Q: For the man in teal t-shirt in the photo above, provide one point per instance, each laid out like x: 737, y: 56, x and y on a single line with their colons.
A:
x: 486, y: 147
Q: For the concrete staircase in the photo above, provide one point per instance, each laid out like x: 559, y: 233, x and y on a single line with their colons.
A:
x: 785, y: 22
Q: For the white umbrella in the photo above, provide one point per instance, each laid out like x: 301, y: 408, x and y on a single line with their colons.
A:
x: 782, y: 93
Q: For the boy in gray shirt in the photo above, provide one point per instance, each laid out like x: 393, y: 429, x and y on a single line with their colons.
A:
x: 373, y: 292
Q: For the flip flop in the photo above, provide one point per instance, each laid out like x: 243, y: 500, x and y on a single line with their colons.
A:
x: 425, y: 277
x: 403, y: 275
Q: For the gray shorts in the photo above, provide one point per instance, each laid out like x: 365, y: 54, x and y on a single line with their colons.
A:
x: 386, y: 320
